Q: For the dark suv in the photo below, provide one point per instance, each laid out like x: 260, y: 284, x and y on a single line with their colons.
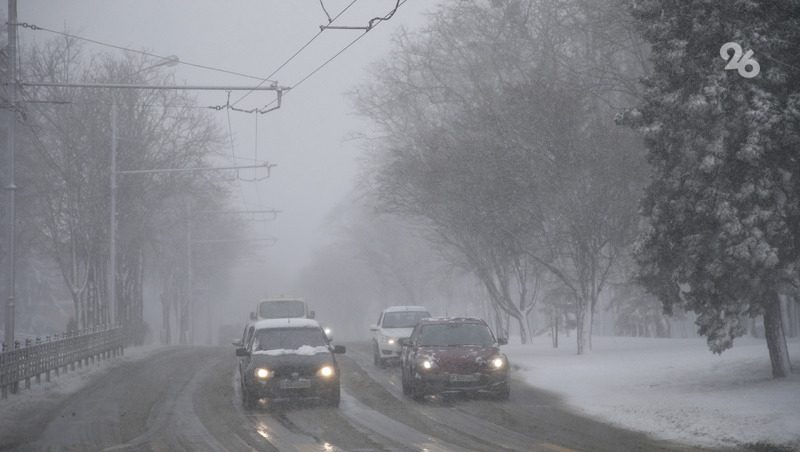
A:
x: 288, y: 359
x: 453, y: 355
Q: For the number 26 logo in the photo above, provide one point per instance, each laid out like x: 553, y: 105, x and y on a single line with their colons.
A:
x: 738, y: 61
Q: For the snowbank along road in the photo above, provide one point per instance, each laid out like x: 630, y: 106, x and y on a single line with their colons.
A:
x: 188, y: 399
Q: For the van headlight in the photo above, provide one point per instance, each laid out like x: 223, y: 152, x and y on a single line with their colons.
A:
x: 262, y: 373
x: 326, y: 371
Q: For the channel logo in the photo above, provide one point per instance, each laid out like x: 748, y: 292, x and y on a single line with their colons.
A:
x: 743, y: 63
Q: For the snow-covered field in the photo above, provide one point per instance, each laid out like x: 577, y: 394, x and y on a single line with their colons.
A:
x: 674, y: 389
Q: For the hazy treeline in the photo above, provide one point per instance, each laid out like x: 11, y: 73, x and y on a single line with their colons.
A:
x: 63, y: 174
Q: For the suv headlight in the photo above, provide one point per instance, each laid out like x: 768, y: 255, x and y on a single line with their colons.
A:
x: 498, y: 362
x: 389, y: 340
x: 426, y: 363
x: 262, y: 373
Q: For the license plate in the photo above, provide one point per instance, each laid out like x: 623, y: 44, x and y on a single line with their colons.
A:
x: 464, y: 378
x: 295, y: 384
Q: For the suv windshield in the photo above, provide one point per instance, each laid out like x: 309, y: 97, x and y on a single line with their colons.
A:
x: 288, y: 338
x: 446, y: 334
x: 403, y: 319
x: 282, y: 309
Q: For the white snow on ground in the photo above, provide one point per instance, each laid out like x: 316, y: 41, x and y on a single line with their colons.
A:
x: 44, y: 395
x: 674, y: 389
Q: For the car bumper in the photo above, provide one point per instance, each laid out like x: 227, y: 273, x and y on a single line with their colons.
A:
x: 389, y: 351
x: 276, y: 389
x: 437, y: 383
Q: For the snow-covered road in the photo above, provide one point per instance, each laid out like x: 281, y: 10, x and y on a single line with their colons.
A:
x: 186, y: 398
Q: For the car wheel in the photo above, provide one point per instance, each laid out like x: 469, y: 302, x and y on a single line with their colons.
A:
x: 504, y: 393
x: 248, y: 401
x: 376, y: 357
x: 334, y: 398
x: 416, y: 392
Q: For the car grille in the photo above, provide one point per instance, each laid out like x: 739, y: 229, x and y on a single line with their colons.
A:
x: 295, y: 371
x: 464, y: 368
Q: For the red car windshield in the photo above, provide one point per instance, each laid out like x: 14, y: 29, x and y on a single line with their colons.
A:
x: 449, y: 334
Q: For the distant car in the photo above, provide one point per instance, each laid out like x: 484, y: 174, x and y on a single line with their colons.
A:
x: 394, y: 323
x: 454, y: 355
x: 288, y: 359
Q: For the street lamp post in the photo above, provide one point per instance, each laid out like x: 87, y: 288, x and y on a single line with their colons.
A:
x: 11, y: 187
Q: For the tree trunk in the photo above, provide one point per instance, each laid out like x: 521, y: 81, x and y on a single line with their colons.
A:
x: 524, y: 330
x: 555, y: 328
x: 498, y: 320
x: 776, y: 341
x: 584, y: 327
x: 751, y: 327
x: 785, y: 319
x: 166, y: 332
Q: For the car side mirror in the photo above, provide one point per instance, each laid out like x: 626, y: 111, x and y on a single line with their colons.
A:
x: 373, y: 328
x: 242, y: 352
x: 311, y: 314
x: 404, y: 342
x: 339, y: 349
x: 237, y: 343
x: 502, y: 341
x: 252, y: 316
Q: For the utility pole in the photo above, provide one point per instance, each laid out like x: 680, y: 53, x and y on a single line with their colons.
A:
x: 11, y: 187
x: 189, y: 275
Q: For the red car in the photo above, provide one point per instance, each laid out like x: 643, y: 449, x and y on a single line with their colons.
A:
x: 445, y: 355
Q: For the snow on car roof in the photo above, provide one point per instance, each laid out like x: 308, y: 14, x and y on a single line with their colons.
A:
x: 405, y: 308
x: 269, y: 300
x: 286, y: 323
x: 452, y: 320
x: 304, y: 350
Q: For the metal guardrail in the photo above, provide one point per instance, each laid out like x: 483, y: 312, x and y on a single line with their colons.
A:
x: 60, y: 353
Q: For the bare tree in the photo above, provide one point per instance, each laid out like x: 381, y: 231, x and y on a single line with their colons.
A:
x: 496, y: 126
x: 71, y: 136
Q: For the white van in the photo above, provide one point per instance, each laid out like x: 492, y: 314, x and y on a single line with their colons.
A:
x: 282, y: 308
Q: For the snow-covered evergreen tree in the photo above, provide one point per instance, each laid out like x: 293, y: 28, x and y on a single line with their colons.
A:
x: 724, y: 203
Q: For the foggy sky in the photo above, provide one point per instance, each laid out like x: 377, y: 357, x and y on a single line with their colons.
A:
x: 306, y: 138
